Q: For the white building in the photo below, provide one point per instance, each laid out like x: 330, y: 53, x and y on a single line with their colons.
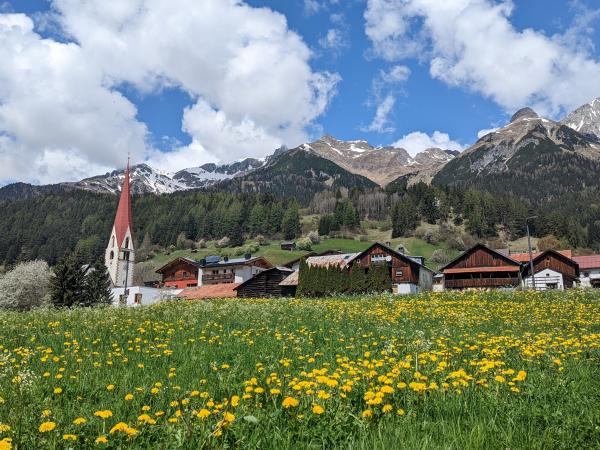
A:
x: 142, y: 295
x: 214, y: 270
x: 589, y: 270
x: 546, y: 279
x: 119, y: 257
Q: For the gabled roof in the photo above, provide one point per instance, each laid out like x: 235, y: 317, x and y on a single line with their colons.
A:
x: 264, y: 272
x: 225, y: 290
x: 397, y: 254
x: 291, y: 280
x: 557, y: 255
x: 524, y: 257
x: 341, y: 260
x: 235, y: 262
x: 309, y: 254
x: 123, y: 218
x: 507, y: 259
x: 587, y: 262
x: 175, y: 261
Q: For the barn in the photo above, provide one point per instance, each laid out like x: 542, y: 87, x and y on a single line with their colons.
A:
x: 409, y: 275
x: 267, y: 284
x: 180, y: 273
x: 482, y: 267
x: 552, y: 270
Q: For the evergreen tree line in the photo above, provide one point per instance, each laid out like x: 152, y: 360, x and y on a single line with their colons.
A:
x: 345, y: 215
x: 325, y: 281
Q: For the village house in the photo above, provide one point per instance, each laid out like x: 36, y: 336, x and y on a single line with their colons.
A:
x: 217, y: 270
x: 589, y: 267
x: 180, y: 273
x: 409, y: 275
x: 207, y: 291
x: 552, y: 270
x: 482, y: 267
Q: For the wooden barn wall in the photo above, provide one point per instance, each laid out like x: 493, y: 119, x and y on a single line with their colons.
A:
x: 176, y: 272
x: 410, y: 272
x: 480, y: 258
x: 265, y: 284
x: 554, y: 263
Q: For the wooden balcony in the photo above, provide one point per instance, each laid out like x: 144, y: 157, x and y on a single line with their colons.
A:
x: 466, y: 283
x: 218, y: 279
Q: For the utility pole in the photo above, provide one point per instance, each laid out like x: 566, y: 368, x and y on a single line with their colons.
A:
x: 125, y: 291
x: 530, y: 252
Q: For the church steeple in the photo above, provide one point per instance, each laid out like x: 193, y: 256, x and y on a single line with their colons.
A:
x: 120, y: 253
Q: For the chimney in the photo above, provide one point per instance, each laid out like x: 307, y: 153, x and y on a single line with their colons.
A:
x: 388, y: 244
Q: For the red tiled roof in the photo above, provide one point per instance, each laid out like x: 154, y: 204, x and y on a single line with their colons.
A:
x: 225, y: 290
x: 482, y: 269
x: 524, y: 257
x: 587, y: 262
x: 123, y: 218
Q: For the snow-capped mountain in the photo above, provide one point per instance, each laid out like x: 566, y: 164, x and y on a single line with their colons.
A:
x: 586, y: 120
x: 380, y: 164
x: 145, y: 179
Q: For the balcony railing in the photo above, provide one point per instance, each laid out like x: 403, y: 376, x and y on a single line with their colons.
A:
x: 218, y: 278
x: 480, y: 283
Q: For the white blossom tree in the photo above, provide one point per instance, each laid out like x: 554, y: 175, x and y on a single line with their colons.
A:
x: 25, y: 286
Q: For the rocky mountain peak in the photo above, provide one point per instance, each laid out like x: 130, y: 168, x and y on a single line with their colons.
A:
x: 586, y: 120
x: 524, y: 113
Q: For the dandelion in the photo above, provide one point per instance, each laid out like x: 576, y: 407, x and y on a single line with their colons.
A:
x: 101, y: 440
x: 6, y: 444
x: 203, y: 413
x: 79, y: 421
x: 367, y: 413
x: 290, y: 402
x: 387, y: 408
x: 104, y: 414
x: 128, y: 397
x: 69, y: 437
x: 317, y: 409
x: 46, y: 427
x: 4, y: 428
x: 110, y: 387
x: 58, y: 390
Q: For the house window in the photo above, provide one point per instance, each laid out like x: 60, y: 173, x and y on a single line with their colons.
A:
x: 399, y: 273
x: 112, y: 255
x: 138, y: 299
x: 586, y: 274
x: 215, y: 272
x: 122, y: 300
x: 185, y: 274
x: 126, y: 242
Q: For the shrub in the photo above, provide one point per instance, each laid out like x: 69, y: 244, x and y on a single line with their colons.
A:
x: 201, y: 244
x: 441, y: 257
x: 304, y: 244
x: 223, y: 242
x: 261, y: 240
x: 26, y: 286
x: 314, y: 237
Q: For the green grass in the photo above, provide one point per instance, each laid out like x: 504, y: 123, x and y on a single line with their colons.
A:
x: 466, y: 370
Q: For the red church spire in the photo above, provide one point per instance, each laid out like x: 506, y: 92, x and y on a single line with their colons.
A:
x: 123, y: 218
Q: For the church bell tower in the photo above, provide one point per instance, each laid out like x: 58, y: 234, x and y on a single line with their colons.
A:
x: 120, y: 254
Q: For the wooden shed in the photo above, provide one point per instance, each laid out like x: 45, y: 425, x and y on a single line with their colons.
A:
x: 552, y: 270
x: 267, y: 284
x: 288, y: 246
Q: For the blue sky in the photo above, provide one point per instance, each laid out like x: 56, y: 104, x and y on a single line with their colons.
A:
x: 454, y: 78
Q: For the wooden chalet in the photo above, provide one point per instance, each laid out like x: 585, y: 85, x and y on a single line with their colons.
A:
x: 409, y: 276
x: 267, y: 284
x: 482, y: 267
x: 552, y: 270
x: 217, y: 270
x: 180, y: 273
x: 589, y: 266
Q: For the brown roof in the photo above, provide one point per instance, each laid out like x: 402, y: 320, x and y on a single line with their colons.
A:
x: 291, y: 280
x: 225, y: 290
x: 524, y: 257
x: 340, y: 260
x: 588, y: 262
x: 483, y: 269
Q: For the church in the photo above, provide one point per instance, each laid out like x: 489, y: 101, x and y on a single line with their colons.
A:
x: 119, y: 257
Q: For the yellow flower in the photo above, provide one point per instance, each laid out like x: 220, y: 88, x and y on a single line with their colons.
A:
x: 58, y: 390
x: 228, y: 417
x: 6, y: 444
x: 400, y: 412
x: 47, y: 426
x: 146, y: 419
x: 69, y: 437
x: 79, y: 421
x: 275, y: 391
x: 235, y: 400
x: 46, y: 413
x: 128, y: 397
x: 121, y: 426
x: 146, y: 408
x: 104, y: 414
x: 203, y: 413
x: 317, y: 409
x: 367, y: 413
x: 4, y: 428
x: 101, y: 440
x: 387, y: 408
x: 110, y: 387
x: 499, y: 378
x: 154, y: 390
x: 290, y: 402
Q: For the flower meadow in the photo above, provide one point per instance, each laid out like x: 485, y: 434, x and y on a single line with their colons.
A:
x: 447, y: 370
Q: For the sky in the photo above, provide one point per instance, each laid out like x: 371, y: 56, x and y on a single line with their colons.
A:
x: 178, y: 83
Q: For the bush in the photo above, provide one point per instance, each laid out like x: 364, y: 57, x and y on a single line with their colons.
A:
x: 549, y: 243
x: 431, y: 236
x: 314, y: 237
x: 261, y: 240
x: 26, y: 286
x: 441, y: 257
x: 304, y: 244
x: 456, y: 243
x: 223, y: 242
x: 201, y: 244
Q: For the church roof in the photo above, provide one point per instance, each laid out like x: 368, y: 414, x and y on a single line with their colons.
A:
x: 123, y: 217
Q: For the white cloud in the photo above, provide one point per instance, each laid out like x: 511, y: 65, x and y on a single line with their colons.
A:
x: 380, y: 121
x: 335, y: 39
x: 418, y: 141
x: 473, y: 44
x: 242, y: 61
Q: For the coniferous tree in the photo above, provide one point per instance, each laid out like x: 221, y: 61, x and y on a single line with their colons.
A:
x: 67, y: 286
x: 98, y: 286
x: 290, y: 224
